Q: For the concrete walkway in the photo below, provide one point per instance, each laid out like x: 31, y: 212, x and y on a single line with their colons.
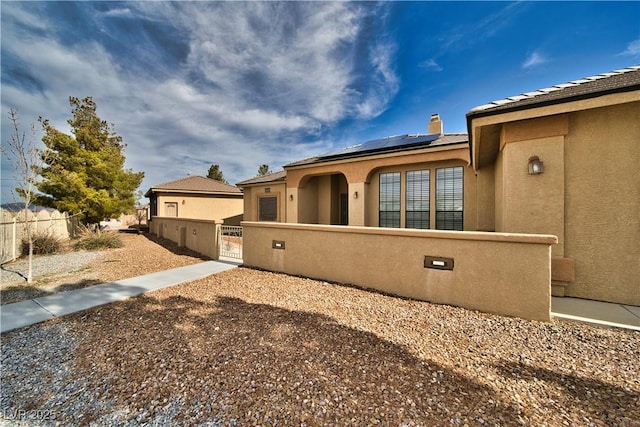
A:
x: 596, y: 312
x: 25, y: 313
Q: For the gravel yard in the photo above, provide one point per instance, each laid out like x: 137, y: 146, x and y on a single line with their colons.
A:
x: 141, y: 254
x: 247, y: 347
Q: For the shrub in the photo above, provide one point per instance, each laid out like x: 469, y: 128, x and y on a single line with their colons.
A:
x: 43, y: 244
x: 97, y: 239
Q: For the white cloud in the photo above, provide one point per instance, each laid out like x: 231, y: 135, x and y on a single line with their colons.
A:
x: 258, y: 81
x: 271, y: 54
x: 385, y: 82
x: 125, y: 11
x: 534, y: 59
x: 484, y: 28
x: 431, y: 64
x: 14, y: 14
x: 633, y: 49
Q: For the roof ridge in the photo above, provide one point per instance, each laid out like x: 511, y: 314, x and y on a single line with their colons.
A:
x: 191, y: 180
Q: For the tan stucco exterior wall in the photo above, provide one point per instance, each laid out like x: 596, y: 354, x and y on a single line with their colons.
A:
x: 314, y: 187
x: 484, y: 199
x: 602, y: 232
x: 205, y: 207
x: 253, y: 193
x: 533, y: 203
x: 588, y: 195
x: 492, y: 272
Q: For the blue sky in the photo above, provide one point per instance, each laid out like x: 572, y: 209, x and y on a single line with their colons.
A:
x: 190, y: 84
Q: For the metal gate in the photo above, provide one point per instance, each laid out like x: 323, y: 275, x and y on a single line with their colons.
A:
x: 231, y: 241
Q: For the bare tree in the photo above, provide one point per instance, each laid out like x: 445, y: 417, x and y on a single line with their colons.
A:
x: 141, y: 212
x: 26, y: 159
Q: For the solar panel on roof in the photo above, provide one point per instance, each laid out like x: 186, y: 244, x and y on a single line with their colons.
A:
x: 382, y: 144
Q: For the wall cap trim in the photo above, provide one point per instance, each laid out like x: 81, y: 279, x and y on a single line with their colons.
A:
x: 541, y: 239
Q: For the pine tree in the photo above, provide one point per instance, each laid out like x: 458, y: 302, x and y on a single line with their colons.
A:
x: 216, y: 173
x: 84, y: 172
x: 264, y: 170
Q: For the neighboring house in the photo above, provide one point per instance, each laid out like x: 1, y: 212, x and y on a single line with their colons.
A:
x: 196, y: 197
x: 558, y: 161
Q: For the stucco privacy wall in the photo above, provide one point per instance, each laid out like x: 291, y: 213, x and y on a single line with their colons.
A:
x: 508, y: 274
x: 201, y: 236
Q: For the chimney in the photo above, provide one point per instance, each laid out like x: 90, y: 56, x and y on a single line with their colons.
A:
x: 435, y: 125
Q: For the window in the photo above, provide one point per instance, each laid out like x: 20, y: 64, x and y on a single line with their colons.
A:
x: 449, y: 198
x: 153, y: 204
x: 267, y: 208
x: 417, y: 213
x: 171, y: 209
x: 390, y: 199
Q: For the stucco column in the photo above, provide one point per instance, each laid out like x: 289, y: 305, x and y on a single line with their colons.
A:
x: 535, y: 203
x: 291, y: 201
x: 217, y: 238
x: 357, y: 203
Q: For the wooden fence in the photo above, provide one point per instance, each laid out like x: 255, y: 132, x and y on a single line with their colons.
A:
x: 13, y: 229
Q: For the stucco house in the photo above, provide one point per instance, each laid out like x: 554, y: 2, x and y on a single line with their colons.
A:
x: 563, y: 160
x: 559, y: 161
x: 196, y: 197
x: 264, y: 197
x: 361, y: 185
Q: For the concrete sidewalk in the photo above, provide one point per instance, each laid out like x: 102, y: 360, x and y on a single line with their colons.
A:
x: 596, y: 312
x: 17, y: 315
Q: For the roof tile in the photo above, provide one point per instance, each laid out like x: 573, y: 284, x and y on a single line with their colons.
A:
x: 197, y: 184
x: 623, y: 79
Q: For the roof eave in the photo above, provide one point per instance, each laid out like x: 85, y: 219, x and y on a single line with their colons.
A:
x: 475, y: 114
x: 527, y: 106
x: 350, y: 156
x: 251, y: 184
x: 212, y: 193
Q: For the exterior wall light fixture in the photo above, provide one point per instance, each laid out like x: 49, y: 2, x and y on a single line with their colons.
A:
x: 291, y: 197
x: 536, y: 167
x: 355, y: 194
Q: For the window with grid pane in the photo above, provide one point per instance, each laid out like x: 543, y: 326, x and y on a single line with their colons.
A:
x: 267, y: 209
x: 390, y: 199
x: 449, y: 198
x: 417, y: 212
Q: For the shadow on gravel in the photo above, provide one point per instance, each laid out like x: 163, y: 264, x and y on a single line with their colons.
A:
x: 173, y: 247
x: 180, y: 361
x: 611, y: 403
x: 19, y: 293
x: 224, y: 361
